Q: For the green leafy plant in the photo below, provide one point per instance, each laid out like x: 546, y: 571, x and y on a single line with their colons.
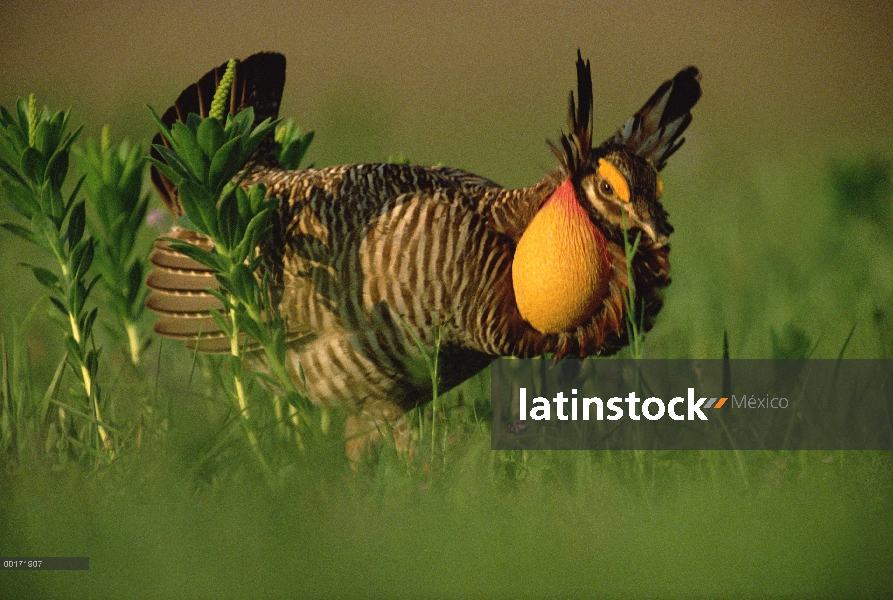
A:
x: 113, y: 181
x: 34, y: 159
x: 206, y: 154
x: 292, y: 145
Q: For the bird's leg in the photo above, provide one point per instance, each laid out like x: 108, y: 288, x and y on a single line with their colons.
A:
x: 377, y: 420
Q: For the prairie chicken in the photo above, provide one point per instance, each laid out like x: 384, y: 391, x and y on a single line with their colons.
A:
x: 367, y: 257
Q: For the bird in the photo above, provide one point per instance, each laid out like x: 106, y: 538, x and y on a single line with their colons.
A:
x: 376, y: 264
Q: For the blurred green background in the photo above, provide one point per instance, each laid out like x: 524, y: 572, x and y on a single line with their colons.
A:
x: 781, y: 200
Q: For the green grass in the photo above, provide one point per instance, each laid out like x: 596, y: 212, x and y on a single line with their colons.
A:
x: 185, y: 510
x: 570, y: 525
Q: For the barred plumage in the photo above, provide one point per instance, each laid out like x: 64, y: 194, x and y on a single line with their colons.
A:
x: 361, y: 253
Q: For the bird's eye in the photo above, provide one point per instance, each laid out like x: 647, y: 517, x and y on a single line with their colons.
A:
x: 614, y: 179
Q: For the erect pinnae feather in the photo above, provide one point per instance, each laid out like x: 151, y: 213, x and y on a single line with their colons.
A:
x: 577, y: 144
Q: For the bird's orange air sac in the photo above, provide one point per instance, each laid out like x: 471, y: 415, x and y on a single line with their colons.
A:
x: 560, y: 270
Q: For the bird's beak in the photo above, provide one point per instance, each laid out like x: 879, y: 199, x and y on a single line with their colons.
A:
x: 645, y: 225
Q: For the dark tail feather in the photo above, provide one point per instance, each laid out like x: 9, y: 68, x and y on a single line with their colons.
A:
x: 655, y: 131
x: 259, y: 81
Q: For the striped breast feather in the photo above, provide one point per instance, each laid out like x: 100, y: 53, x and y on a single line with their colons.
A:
x: 655, y: 132
x: 429, y: 256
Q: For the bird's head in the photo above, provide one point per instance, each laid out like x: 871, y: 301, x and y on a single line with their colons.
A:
x: 618, y: 182
x: 621, y: 191
x: 562, y: 268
